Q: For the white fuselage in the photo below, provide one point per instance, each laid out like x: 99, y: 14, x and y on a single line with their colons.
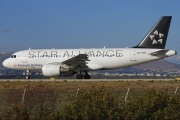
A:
x: 107, y: 58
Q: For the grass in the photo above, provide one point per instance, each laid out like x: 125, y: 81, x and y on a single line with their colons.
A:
x: 66, y: 89
x: 63, y: 92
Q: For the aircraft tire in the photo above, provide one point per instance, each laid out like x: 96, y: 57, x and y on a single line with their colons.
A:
x: 79, y: 76
x: 87, y: 76
x: 27, y: 77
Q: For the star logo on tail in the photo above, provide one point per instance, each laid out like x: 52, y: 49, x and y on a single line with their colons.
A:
x: 159, y: 40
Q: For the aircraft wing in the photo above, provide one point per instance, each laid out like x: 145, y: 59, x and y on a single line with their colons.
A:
x: 160, y: 52
x: 77, y: 60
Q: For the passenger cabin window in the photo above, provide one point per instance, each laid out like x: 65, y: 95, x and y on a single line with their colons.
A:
x: 13, y: 56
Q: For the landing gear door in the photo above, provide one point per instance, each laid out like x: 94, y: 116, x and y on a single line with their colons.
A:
x: 24, y: 57
x: 133, y: 56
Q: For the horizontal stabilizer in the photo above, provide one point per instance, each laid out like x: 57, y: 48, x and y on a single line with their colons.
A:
x: 160, y: 52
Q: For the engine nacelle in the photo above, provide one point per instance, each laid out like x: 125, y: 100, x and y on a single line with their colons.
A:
x: 54, y: 70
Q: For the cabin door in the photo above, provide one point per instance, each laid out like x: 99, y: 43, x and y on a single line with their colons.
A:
x: 24, y: 57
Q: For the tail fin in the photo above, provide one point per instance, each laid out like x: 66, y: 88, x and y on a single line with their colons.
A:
x: 156, y: 38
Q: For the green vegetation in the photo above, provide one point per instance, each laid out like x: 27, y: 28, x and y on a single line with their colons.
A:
x: 101, y: 105
x: 94, y: 100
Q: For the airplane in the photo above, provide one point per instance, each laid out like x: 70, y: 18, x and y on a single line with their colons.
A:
x: 69, y: 62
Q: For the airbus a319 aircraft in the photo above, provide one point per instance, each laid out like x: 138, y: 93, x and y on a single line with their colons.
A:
x: 68, y: 62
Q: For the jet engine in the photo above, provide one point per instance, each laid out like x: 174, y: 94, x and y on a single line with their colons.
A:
x: 56, y: 70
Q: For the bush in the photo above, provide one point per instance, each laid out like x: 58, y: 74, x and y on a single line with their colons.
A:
x: 101, y: 104
x: 92, y: 104
x: 16, y: 112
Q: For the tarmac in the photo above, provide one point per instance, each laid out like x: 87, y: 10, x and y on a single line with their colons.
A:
x: 83, y: 80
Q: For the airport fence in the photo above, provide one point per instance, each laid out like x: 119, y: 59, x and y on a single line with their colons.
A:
x: 41, y: 101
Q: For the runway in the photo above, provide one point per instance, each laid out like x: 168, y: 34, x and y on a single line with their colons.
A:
x: 83, y: 80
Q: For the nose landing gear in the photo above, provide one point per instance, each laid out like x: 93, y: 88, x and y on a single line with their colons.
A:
x: 28, y: 72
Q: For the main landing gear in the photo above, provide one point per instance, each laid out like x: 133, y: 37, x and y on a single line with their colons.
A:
x: 80, y: 76
x: 28, y: 72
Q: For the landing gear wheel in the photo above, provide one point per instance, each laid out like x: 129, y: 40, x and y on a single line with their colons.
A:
x: 79, y: 76
x: 28, y: 72
x: 27, y: 77
x: 87, y: 76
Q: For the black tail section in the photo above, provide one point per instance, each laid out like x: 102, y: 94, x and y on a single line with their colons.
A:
x: 156, y: 38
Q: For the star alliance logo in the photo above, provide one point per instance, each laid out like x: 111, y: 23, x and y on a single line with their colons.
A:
x: 160, y: 35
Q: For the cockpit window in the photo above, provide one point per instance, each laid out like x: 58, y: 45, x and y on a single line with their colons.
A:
x: 13, y: 56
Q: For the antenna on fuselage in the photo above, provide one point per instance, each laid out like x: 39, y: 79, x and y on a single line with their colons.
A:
x: 104, y: 47
x: 30, y: 48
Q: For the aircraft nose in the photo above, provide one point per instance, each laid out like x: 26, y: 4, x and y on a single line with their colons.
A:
x: 6, y: 63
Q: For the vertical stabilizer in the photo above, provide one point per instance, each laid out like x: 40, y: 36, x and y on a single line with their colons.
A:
x: 157, y: 36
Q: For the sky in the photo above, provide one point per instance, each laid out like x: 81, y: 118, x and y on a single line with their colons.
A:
x: 39, y: 24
